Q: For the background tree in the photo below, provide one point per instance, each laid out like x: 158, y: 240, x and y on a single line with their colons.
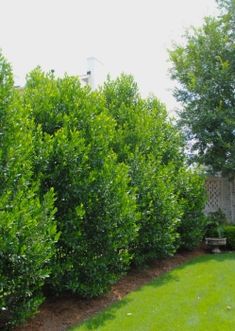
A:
x: 205, y: 70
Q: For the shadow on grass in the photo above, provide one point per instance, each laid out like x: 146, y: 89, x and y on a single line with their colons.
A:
x: 104, y: 316
x: 109, y: 313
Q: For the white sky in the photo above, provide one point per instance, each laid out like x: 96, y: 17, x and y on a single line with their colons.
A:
x: 130, y: 36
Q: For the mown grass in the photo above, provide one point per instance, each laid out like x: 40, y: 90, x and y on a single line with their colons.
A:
x: 198, y: 296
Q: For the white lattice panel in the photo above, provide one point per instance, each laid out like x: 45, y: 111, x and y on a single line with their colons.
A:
x: 221, y: 194
x: 213, y: 187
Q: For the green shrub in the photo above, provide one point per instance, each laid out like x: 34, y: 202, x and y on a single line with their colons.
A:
x: 27, y: 230
x: 160, y: 212
x: 96, y: 212
x: 191, y: 190
x: 229, y: 233
x: 148, y: 143
x: 26, y: 247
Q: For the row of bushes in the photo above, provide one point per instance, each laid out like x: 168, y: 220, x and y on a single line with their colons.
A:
x: 91, y: 182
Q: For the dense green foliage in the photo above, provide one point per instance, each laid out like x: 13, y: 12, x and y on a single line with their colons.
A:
x: 170, y: 198
x: 108, y: 166
x: 96, y: 213
x: 193, y: 222
x: 198, y: 295
x: 229, y: 233
x: 141, y: 128
x: 205, y: 70
x: 27, y: 230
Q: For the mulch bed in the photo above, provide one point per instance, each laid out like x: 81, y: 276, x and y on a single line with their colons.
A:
x: 58, y: 314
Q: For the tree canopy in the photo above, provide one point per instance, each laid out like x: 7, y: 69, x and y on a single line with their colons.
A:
x: 205, y: 70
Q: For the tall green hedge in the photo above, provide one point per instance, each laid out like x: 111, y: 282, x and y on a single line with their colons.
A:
x: 90, y: 183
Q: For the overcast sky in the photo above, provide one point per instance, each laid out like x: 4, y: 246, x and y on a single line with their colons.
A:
x: 130, y: 36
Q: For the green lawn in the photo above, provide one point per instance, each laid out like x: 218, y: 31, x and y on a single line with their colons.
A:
x: 198, y: 296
